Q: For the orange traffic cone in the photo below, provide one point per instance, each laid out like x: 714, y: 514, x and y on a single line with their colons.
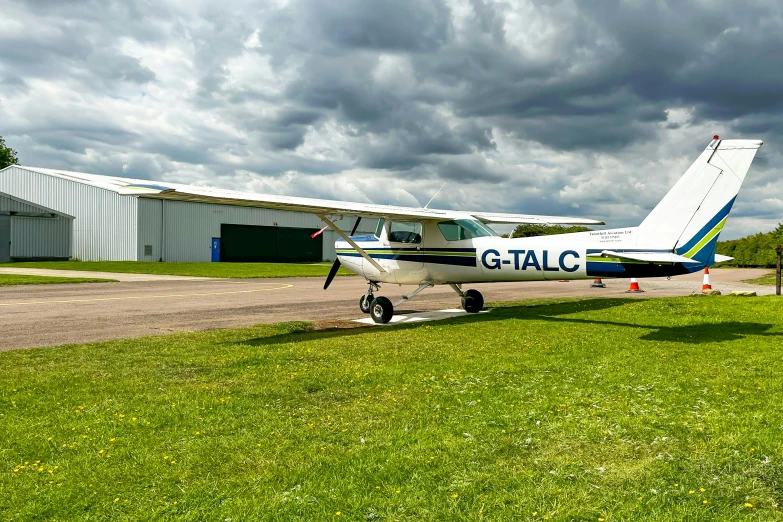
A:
x: 634, y: 288
x: 597, y: 283
x: 706, y: 284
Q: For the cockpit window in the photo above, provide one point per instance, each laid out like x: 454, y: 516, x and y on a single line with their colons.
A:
x: 405, y: 232
x: 464, y: 229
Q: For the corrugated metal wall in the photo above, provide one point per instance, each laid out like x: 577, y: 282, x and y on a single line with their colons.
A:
x: 37, y: 238
x: 105, y: 227
x: 190, y: 227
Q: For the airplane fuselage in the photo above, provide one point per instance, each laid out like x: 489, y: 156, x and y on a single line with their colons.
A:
x: 498, y: 259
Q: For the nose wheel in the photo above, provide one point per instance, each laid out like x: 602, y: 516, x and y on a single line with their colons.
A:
x: 364, y: 302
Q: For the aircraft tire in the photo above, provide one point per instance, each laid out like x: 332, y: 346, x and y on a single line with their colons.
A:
x: 473, y: 301
x: 364, y: 303
x: 381, y: 310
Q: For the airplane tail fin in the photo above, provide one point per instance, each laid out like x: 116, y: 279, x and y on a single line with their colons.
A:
x: 690, y: 217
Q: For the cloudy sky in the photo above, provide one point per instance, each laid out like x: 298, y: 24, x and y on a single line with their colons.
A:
x: 521, y: 106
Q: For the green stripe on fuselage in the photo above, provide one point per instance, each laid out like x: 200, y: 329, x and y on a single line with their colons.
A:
x: 408, y: 253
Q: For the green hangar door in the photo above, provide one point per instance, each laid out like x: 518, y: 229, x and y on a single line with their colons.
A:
x: 248, y: 243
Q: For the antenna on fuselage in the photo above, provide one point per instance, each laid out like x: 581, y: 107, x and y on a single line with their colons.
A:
x: 436, y: 193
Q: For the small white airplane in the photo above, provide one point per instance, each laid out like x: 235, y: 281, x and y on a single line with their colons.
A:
x: 427, y: 247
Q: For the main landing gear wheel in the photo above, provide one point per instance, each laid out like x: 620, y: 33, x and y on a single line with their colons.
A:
x: 381, y: 310
x: 364, y: 303
x: 473, y: 301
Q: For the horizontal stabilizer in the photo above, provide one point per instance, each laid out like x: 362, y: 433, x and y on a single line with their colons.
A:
x: 648, y: 257
x: 722, y: 259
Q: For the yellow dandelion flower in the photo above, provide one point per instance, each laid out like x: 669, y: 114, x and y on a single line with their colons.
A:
x: 702, y: 490
x: 691, y: 492
x: 339, y: 513
x: 452, y: 496
x: 748, y: 505
x: 704, y: 502
x: 117, y: 499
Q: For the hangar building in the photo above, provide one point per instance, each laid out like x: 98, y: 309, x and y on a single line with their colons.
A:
x: 55, y: 214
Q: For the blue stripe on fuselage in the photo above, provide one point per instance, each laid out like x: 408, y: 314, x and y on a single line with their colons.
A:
x: 420, y: 258
x: 722, y: 213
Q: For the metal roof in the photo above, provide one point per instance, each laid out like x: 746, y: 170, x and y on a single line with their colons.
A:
x: 113, y: 183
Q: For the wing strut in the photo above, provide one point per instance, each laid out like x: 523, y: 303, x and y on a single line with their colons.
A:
x: 351, y: 242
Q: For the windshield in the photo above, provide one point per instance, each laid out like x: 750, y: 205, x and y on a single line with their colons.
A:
x: 460, y: 229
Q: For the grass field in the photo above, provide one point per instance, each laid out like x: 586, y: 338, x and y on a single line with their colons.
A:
x: 233, y: 270
x: 595, y: 410
x: 11, y: 280
x: 768, y: 279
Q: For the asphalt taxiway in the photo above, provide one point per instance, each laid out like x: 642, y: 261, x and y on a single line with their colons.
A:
x: 46, y: 315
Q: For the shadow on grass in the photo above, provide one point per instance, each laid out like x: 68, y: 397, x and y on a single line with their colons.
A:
x: 556, y: 313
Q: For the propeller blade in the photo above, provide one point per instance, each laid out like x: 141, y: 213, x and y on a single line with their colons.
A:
x: 336, y: 265
x: 332, y: 273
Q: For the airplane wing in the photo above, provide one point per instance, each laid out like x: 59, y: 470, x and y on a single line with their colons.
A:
x: 328, y: 207
x: 532, y: 219
x: 647, y: 257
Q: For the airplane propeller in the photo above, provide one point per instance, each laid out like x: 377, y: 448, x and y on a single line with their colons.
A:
x: 336, y: 265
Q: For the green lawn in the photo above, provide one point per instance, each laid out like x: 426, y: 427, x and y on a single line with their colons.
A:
x: 602, y: 409
x: 10, y: 280
x: 234, y: 270
x: 768, y: 279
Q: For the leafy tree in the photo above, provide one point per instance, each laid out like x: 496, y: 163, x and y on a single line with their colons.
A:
x: 755, y: 250
x: 530, y: 230
x: 7, y: 155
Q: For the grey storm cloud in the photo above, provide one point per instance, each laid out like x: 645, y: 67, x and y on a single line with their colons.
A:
x: 531, y: 106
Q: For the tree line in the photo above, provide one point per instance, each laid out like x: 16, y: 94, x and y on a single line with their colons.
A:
x: 531, y: 230
x: 757, y: 250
